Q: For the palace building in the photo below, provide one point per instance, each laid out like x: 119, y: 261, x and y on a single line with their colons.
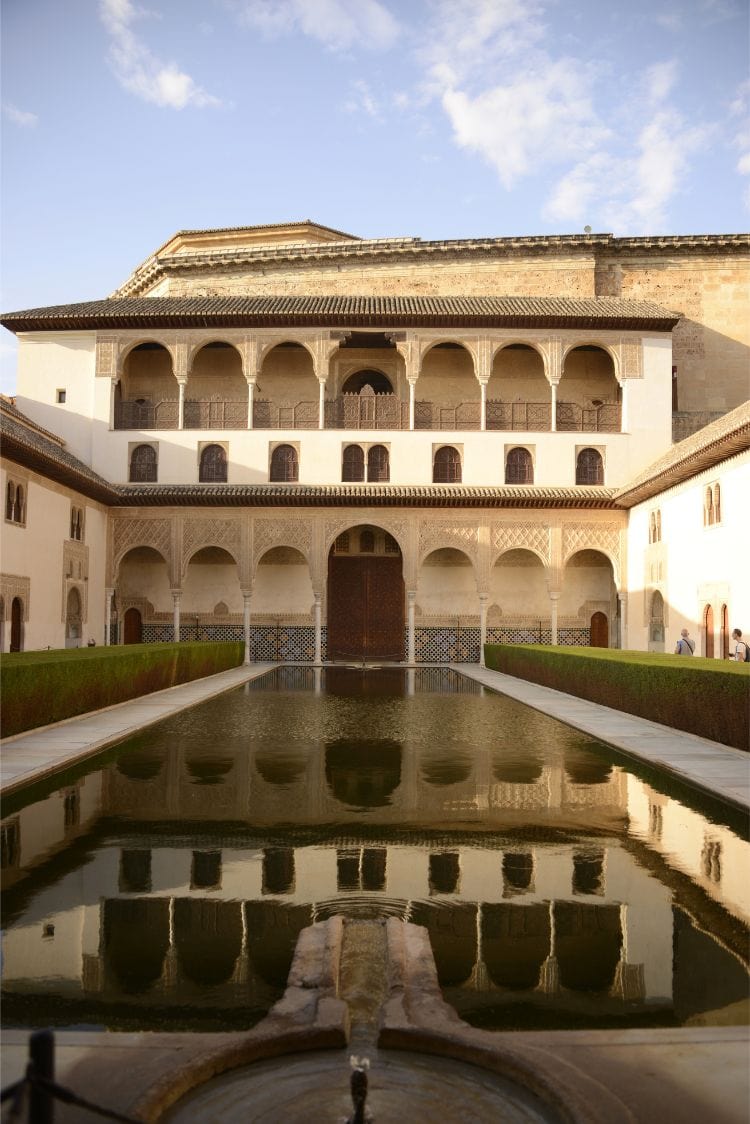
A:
x: 338, y: 448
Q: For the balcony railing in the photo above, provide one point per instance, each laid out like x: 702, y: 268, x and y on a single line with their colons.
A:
x: 380, y: 411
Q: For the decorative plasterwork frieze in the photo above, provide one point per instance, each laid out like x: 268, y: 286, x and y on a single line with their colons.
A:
x: 132, y: 531
x: 75, y: 574
x: 604, y: 537
x: 437, y: 536
x: 12, y: 586
x: 198, y: 533
x: 268, y: 533
x: 522, y: 536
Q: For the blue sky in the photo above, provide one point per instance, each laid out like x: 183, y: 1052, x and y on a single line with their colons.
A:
x: 124, y: 122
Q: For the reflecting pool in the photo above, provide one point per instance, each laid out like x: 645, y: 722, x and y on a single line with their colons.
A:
x: 163, y: 885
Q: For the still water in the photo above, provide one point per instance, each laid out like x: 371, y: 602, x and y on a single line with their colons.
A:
x: 164, y: 885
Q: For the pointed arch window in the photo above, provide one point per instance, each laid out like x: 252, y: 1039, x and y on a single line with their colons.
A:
x: 353, y: 465
x: 213, y: 465
x: 519, y: 467
x: 15, y: 509
x: 143, y: 465
x: 589, y: 467
x: 284, y: 465
x: 447, y: 466
x: 378, y: 465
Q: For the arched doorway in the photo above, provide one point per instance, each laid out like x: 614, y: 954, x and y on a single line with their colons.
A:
x: 16, y: 625
x: 656, y: 623
x: 708, y: 632
x: 365, y: 596
x: 132, y: 627
x: 599, y: 631
x: 73, y: 619
x: 724, y: 632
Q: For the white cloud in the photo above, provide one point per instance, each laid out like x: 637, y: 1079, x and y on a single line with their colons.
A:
x: 139, y: 71
x: 362, y: 100
x: 660, y: 80
x: 18, y: 116
x: 338, y: 24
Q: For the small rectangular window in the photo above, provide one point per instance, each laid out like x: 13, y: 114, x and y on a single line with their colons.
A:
x: 61, y: 394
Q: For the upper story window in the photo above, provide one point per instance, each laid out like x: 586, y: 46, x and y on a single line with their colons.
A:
x: 654, y: 526
x: 711, y: 505
x: 15, y: 502
x: 284, y: 465
x: 353, y: 465
x: 447, y: 466
x: 61, y: 395
x: 213, y: 465
x: 589, y: 467
x: 76, y: 523
x: 378, y: 465
x: 519, y: 467
x: 143, y: 465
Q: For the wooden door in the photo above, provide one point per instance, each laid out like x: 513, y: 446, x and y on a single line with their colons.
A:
x: 365, y: 607
x: 708, y: 632
x: 16, y: 612
x: 133, y: 627
x: 599, y: 631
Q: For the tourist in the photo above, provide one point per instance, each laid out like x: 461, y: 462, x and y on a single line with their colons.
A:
x: 685, y: 646
x: 740, y: 646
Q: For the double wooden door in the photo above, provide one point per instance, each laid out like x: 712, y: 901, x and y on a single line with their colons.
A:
x: 365, y: 607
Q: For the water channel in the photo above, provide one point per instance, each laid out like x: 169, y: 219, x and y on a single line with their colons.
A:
x: 163, y: 885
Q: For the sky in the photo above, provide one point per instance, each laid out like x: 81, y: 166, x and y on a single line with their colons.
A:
x: 124, y: 122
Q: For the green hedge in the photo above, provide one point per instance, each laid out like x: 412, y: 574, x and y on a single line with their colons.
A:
x: 43, y: 687
x: 710, y: 698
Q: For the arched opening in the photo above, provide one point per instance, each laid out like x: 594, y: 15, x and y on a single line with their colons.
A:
x: 216, y: 390
x: 588, y: 588
x: 282, y: 584
x: 211, y: 588
x: 136, y: 939
x: 363, y: 775
x: 213, y: 465
x: 16, y: 625
x: 449, y: 394
x: 588, y: 395
x: 143, y: 584
x: 376, y: 381
x: 588, y: 942
x: 589, y: 467
x: 365, y: 596
x: 724, y: 632
x: 147, y: 394
x: 599, y: 630
x: 208, y: 939
x: 518, y: 393
x: 518, y: 595
x: 353, y: 465
x: 287, y: 391
x: 519, y: 467
x: 132, y: 626
x: 73, y: 619
x: 284, y: 465
x: 656, y: 623
x: 453, y: 936
x: 708, y: 632
x: 515, y: 943
x: 446, y: 468
x: 143, y: 465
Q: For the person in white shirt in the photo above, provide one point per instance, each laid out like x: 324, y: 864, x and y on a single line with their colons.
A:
x: 740, y: 647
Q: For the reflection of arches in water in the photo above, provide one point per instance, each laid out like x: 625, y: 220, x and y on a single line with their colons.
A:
x: 453, y: 936
x: 272, y: 932
x: 279, y: 766
x: 588, y: 940
x: 363, y: 775
x: 586, y: 767
x: 515, y: 943
x: 209, y: 770
x: 518, y: 872
x: 139, y: 765
x: 445, y: 769
x: 136, y: 938
x: 516, y: 770
x: 208, y: 939
x: 354, y: 682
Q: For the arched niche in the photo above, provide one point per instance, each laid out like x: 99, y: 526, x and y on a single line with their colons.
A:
x: 588, y: 944
x: 447, y: 380
x: 136, y: 938
x: 73, y: 619
x: 516, y: 940
x: 216, y: 391
x: 447, y: 584
x: 147, y: 373
x: 588, y: 383
x: 208, y: 939
x: 143, y: 574
x: 363, y: 774
x: 286, y: 392
x: 367, y: 379
x: 453, y: 936
x: 518, y: 585
x: 518, y: 375
x: 283, y: 584
x: 211, y: 577
x: 588, y: 586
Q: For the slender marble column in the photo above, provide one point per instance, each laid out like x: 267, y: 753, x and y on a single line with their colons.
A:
x: 109, y: 594
x: 321, y: 404
x: 112, y: 395
x: 318, y: 656
x: 181, y: 405
x: 246, y: 625
x: 483, y: 602
x: 624, y: 408
x: 411, y: 599
x: 554, y: 598
x: 622, y: 622
x: 412, y: 393
x: 250, y: 394
x: 176, y: 598
x: 483, y: 419
x: 553, y: 388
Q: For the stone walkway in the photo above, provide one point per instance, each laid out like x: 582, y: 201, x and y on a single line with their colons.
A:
x: 715, y: 768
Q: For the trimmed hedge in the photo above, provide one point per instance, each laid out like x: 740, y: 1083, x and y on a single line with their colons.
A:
x: 43, y: 687
x: 710, y: 698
